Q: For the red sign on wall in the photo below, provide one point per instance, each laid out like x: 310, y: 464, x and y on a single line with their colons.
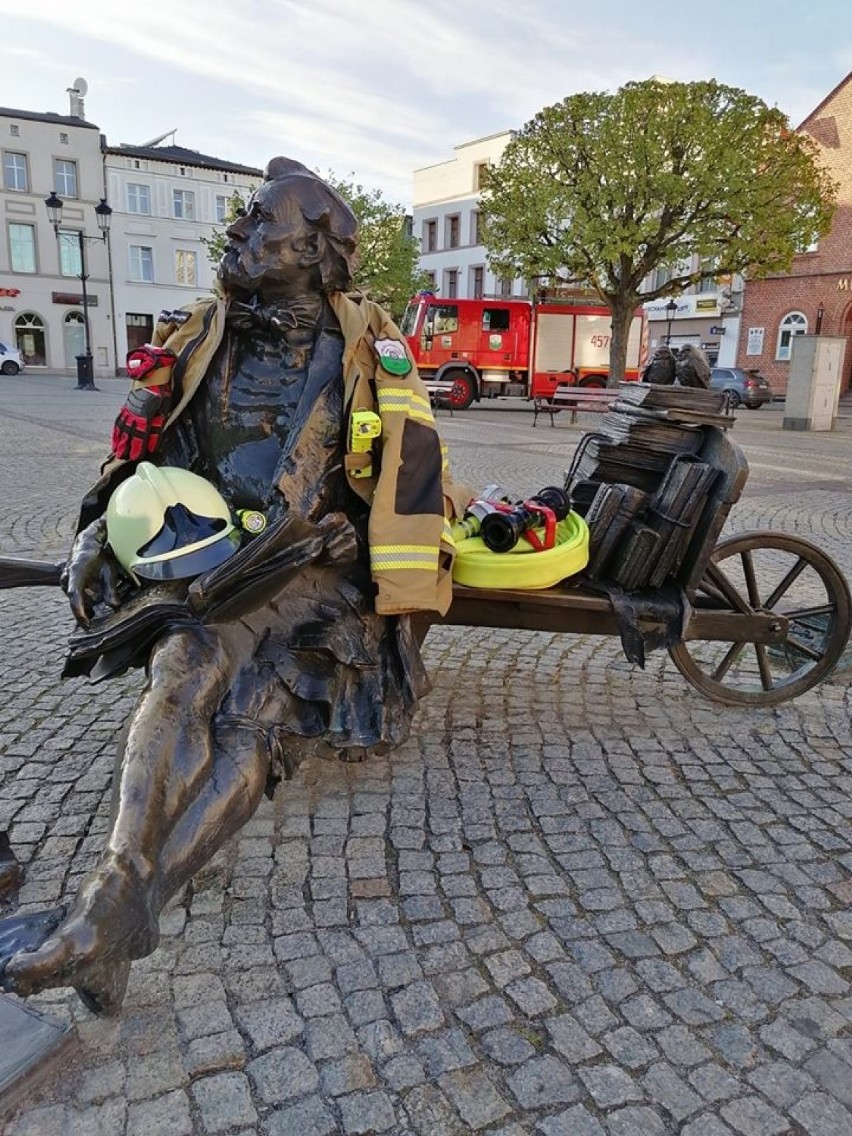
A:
x: 10, y: 291
x: 73, y: 298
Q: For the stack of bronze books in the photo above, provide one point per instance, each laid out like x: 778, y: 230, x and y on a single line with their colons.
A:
x: 640, y: 483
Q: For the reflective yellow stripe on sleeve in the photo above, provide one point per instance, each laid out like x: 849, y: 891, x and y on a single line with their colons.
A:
x: 395, y: 557
x: 405, y: 401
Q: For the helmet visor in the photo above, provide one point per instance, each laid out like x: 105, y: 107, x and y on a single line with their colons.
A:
x: 186, y: 545
x: 181, y: 528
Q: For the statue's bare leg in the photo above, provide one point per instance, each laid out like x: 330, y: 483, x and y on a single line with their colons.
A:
x: 223, y: 806
x: 174, y: 805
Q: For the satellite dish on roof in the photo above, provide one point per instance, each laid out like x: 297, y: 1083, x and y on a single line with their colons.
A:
x: 81, y: 87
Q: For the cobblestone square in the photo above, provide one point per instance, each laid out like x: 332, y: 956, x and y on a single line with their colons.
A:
x: 580, y: 900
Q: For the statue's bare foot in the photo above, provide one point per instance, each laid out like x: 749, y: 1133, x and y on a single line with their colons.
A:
x: 112, y: 921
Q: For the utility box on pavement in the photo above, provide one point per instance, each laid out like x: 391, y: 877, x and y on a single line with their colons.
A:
x: 813, y: 387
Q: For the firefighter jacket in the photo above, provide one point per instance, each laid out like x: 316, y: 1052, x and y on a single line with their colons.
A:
x: 409, y: 491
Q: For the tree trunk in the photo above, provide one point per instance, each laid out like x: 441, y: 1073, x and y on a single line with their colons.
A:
x: 622, y: 317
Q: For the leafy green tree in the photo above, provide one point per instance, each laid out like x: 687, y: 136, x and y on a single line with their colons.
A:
x: 601, y: 189
x: 388, y: 254
x: 215, y: 243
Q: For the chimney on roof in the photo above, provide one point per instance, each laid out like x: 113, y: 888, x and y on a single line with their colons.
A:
x: 76, y: 93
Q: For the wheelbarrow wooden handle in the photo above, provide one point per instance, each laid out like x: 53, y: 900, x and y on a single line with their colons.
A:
x: 16, y: 572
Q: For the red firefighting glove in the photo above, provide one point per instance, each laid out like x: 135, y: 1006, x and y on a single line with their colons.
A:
x: 140, y: 421
x: 148, y: 358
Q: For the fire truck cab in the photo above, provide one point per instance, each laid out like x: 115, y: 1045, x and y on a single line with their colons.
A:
x: 489, y: 347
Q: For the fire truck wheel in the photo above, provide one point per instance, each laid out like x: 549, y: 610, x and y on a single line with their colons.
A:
x: 594, y: 382
x: 463, y: 392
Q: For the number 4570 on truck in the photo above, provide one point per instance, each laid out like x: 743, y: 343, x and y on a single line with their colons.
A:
x: 491, y: 347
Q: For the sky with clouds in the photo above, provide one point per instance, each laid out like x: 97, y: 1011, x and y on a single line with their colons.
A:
x: 378, y: 88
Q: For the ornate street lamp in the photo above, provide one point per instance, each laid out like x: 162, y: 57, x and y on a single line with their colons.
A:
x: 103, y: 216
x: 671, y: 310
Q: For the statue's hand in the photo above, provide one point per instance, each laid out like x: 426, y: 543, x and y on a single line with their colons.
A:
x: 91, y: 573
x: 340, y: 541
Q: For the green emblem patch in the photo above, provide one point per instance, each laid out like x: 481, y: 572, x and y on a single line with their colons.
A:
x: 392, y: 356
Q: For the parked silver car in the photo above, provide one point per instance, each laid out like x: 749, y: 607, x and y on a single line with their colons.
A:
x: 749, y: 387
x: 10, y: 360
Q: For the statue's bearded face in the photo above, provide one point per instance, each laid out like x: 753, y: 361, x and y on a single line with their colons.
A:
x: 272, y: 252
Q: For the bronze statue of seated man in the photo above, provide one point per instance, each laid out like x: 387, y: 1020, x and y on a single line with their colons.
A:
x: 256, y: 390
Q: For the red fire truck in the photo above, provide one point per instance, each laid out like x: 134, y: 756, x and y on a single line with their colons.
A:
x: 492, y: 347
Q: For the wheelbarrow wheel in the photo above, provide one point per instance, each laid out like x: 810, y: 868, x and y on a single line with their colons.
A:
x: 774, y: 573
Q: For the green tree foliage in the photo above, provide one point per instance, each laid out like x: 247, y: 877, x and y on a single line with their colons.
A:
x: 604, y: 188
x: 388, y: 254
x: 215, y: 243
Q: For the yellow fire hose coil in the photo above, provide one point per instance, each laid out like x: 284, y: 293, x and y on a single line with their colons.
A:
x: 476, y: 566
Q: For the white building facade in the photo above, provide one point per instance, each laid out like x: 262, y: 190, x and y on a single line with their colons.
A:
x: 41, y: 301
x: 445, y: 219
x: 165, y: 200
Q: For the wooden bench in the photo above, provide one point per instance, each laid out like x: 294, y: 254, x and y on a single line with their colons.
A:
x: 573, y: 399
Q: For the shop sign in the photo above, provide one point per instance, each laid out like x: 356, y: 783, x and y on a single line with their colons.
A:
x: 844, y: 284
x: 10, y: 292
x: 74, y: 298
x: 686, y: 306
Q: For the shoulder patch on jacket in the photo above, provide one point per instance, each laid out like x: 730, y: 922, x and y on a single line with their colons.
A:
x: 392, y: 356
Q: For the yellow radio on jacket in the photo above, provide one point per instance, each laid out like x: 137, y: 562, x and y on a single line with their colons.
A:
x: 364, y: 427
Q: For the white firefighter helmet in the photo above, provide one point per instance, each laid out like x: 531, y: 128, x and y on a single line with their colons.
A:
x: 169, y: 524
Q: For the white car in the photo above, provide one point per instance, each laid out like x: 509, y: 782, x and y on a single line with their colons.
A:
x: 10, y: 359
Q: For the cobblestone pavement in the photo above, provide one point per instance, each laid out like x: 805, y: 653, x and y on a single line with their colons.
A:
x: 581, y: 901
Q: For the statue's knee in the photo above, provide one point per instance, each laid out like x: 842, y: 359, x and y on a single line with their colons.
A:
x: 190, y: 668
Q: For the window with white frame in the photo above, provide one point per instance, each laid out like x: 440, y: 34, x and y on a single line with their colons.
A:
x: 221, y: 207
x: 138, y: 198
x: 15, y: 171
x: 430, y: 236
x: 65, y: 177
x: 186, y: 268
x: 142, y: 264
x: 22, y: 248
x: 451, y: 283
x: 183, y: 204
x: 63, y: 138
x: 70, y: 261
x: 793, y: 324
x: 477, y: 282
x: 475, y: 227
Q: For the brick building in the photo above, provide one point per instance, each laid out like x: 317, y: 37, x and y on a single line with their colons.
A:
x: 816, y: 296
